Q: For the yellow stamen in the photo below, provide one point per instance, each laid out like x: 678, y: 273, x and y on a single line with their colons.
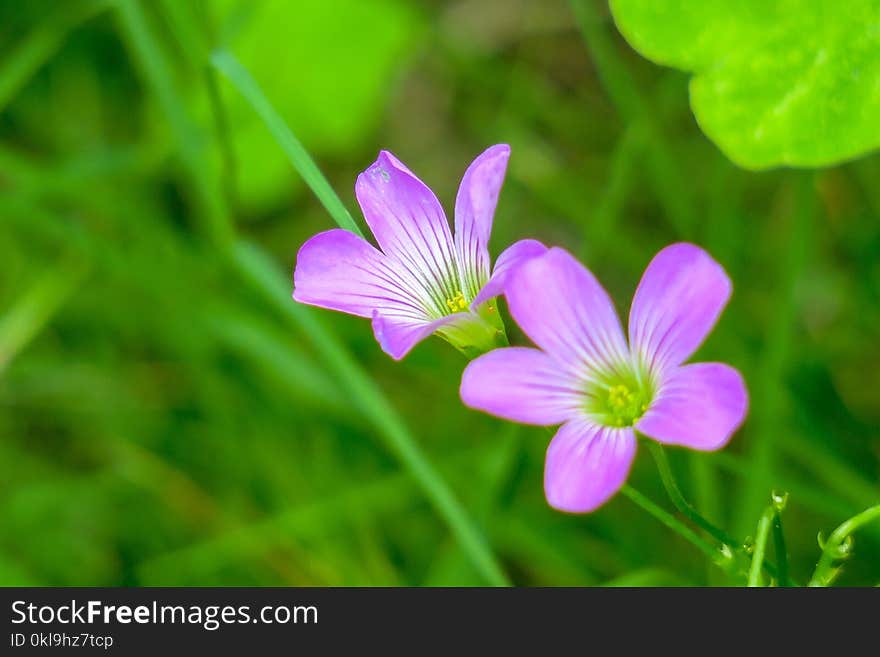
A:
x: 456, y: 303
x: 619, y: 396
x: 620, y: 400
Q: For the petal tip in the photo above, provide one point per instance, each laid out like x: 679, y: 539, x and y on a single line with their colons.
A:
x: 586, y: 465
x: 677, y: 303
x: 701, y: 407
x: 387, y: 159
x: 465, y: 386
x: 741, y: 408
x: 494, y: 153
x: 309, y: 250
x: 398, y: 337
x: 510, y: 259
x: 559, y: 503
x: 537, y: 265
x: 560, y: 500
x: 694, y: 252
x: 380, y: 171
x: 394, y: 349
x: 498, y: 151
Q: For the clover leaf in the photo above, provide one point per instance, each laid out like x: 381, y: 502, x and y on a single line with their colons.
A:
x: 775, y: 82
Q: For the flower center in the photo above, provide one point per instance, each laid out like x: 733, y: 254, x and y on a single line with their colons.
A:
x: 619, y: 400
x: 457, y: 303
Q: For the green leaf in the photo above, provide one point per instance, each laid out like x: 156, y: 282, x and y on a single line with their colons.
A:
x: 776, y: 82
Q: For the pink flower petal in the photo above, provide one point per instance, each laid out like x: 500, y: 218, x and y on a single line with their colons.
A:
x: 586, y: 465
x: 698, y: 406
x: 398, y: 335
x: 511, y: 258
x: 678, y: 301
x: 474, y: 211
x: 341, y: 271
x: 561, y: 306
x: 409, y: 224
x: 521, y: 384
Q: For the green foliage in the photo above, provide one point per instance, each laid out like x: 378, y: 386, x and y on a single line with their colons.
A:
x: 311, y: 57
x: 780, y: 82
x: 169, y: 416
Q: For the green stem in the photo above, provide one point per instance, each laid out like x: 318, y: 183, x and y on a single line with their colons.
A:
x: 834, y: 549
x: 678, y: 500
x: 241, y: 79
x: 668, y: 479
x: 762, y: 534
x: 781, y: 551
x: 718, y: 557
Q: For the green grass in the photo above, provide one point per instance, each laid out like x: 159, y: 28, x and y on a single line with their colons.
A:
x: 168, y: 415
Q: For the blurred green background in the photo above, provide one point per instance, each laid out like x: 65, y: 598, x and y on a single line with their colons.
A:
x: 168, y: 416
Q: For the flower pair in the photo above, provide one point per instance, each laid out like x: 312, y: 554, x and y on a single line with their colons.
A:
x: 585, y: 374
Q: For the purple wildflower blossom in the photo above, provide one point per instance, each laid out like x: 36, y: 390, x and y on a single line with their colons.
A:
x: 423, y: 280
x: 601, y: 388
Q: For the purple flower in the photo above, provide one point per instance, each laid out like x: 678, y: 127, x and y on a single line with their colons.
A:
x: 423, y: 280
x: 601, y: 387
